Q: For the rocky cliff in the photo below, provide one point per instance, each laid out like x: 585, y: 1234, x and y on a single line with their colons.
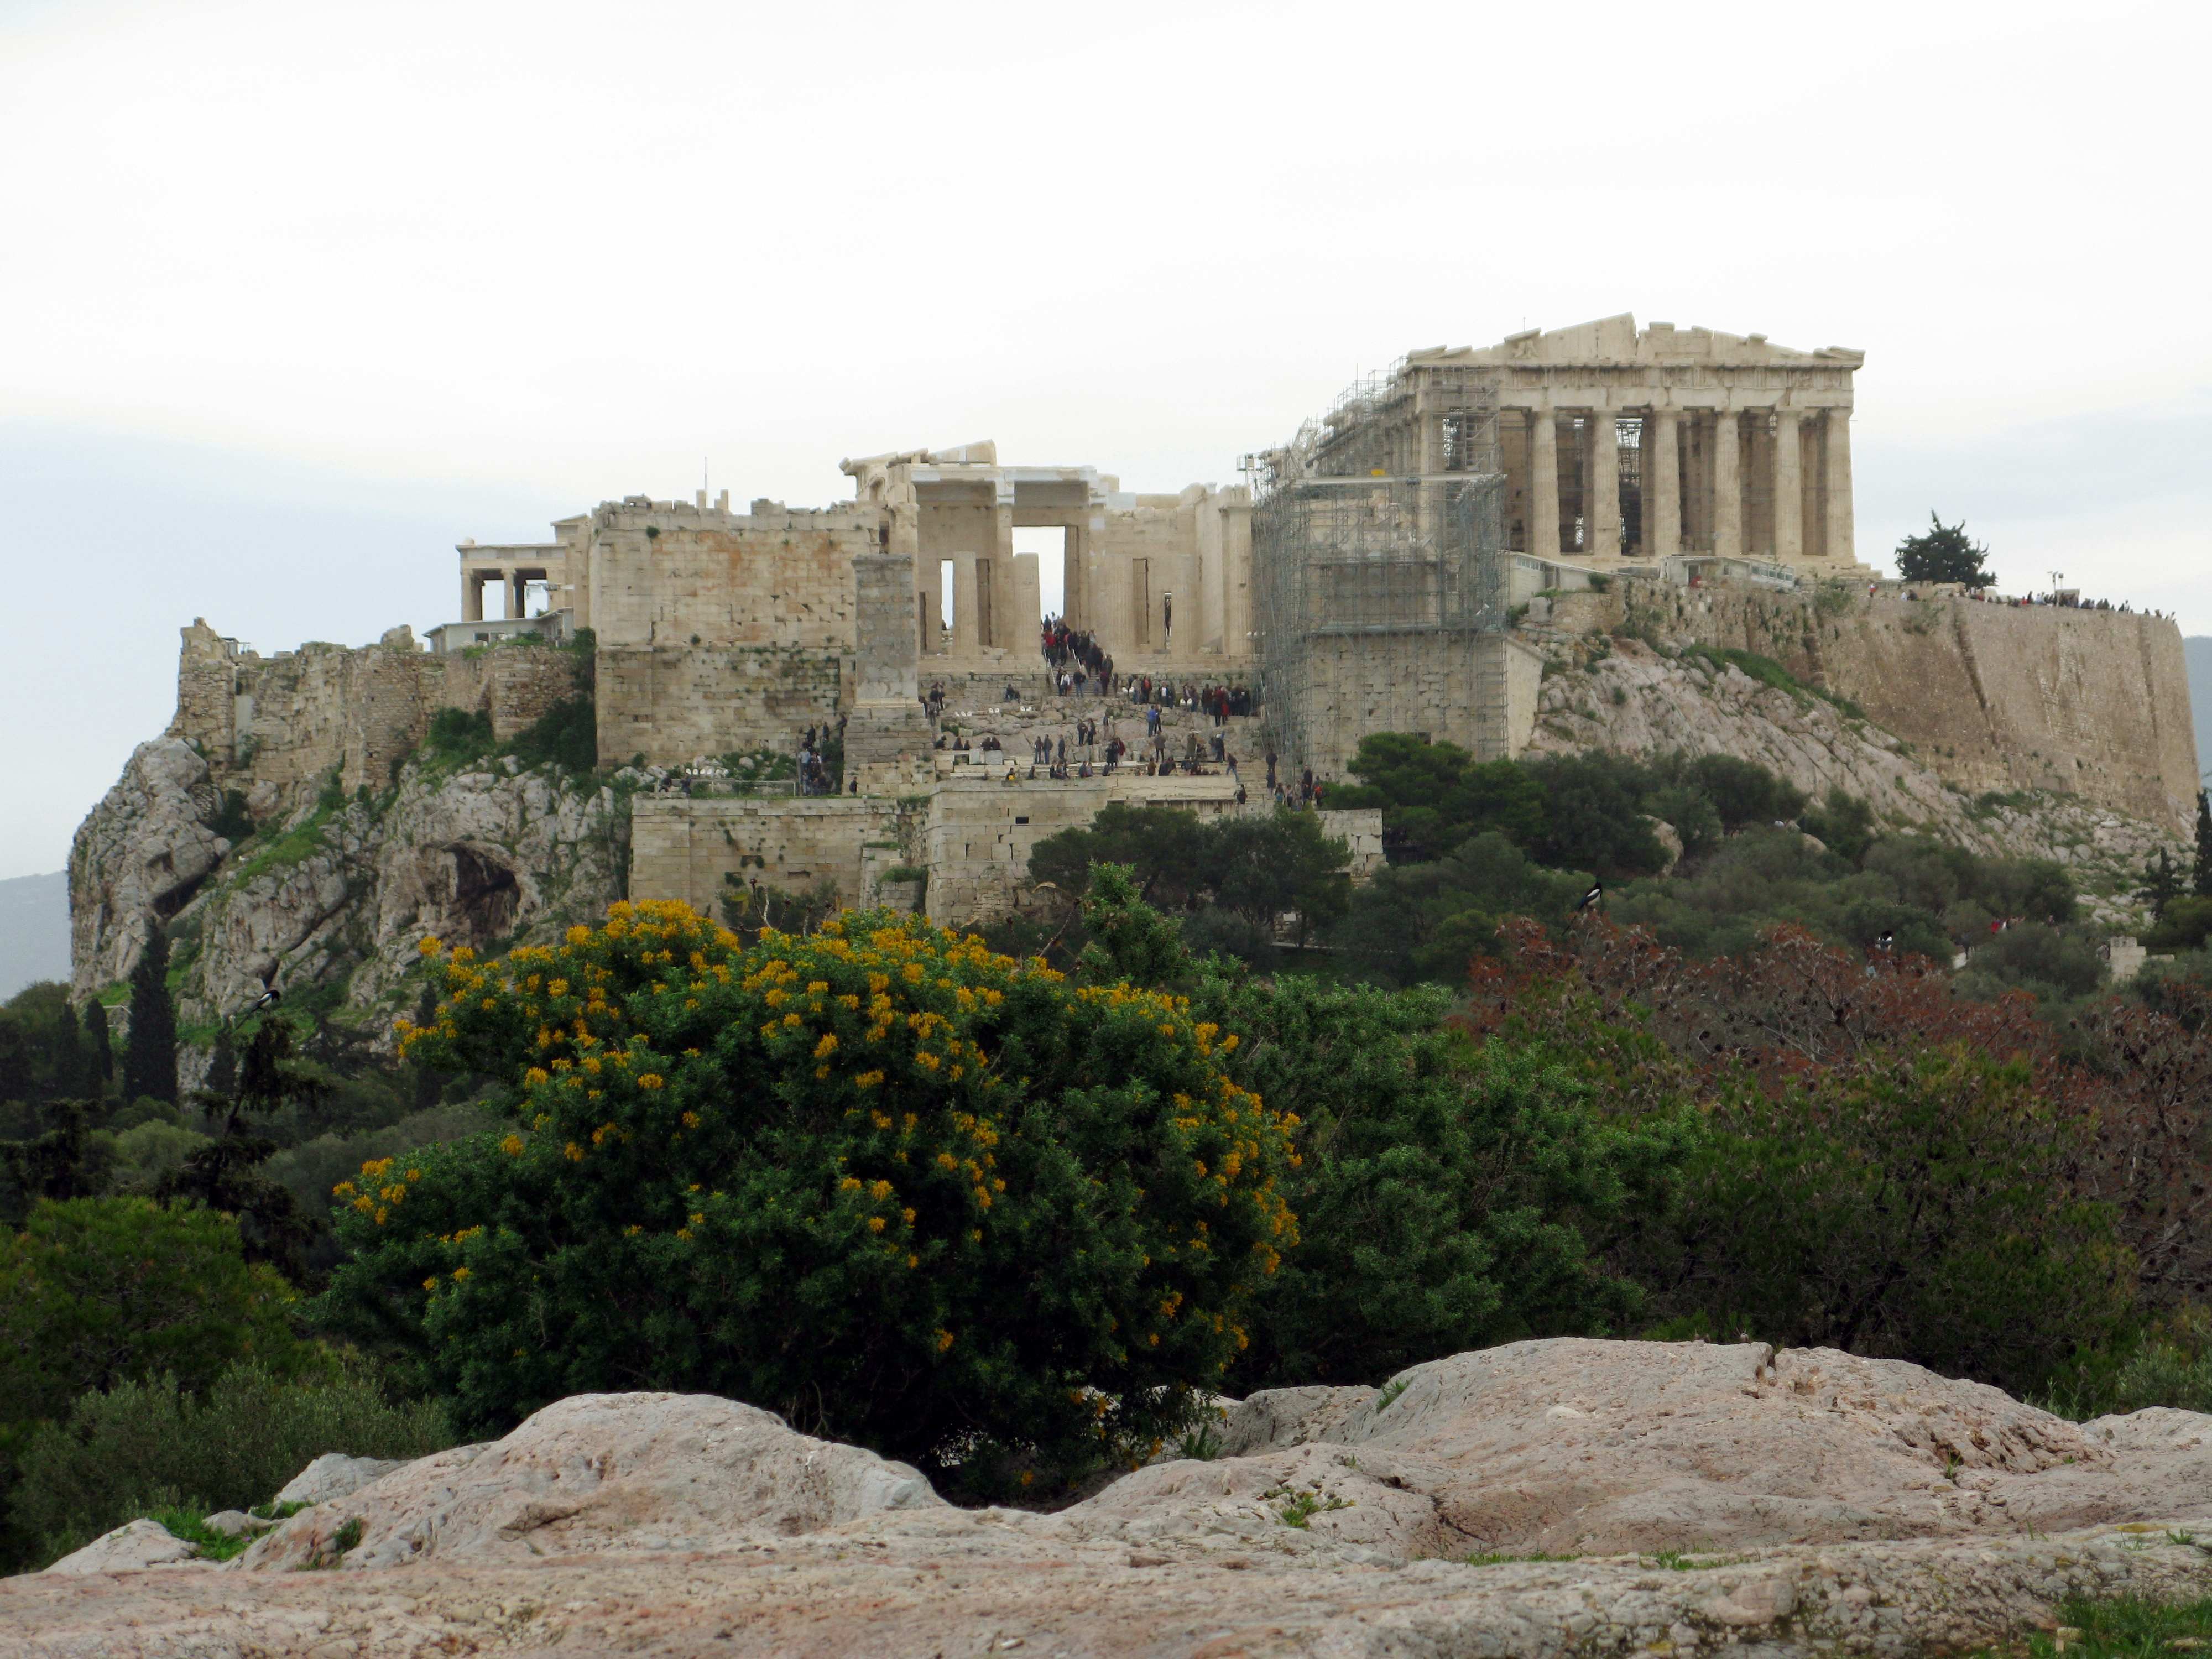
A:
x: 327, y: 898
x: 1619, y: 694
x: 1994, y: 697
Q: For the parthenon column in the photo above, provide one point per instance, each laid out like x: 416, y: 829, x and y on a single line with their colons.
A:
x: 1543, y: 483
x: 1728, y: 485
x: 1837, y: 435
x: 1663, y: 486
x: 1604, y: 509
x: 1788, y: 485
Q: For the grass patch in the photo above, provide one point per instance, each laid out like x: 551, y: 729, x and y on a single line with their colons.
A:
x: 290, y: 848
x: 1767, y: 671
x: 1496, y: 1560
x: 1303, y: 1506
x: 1391, y: 1390
x: 2121, y: 1627
x: 192, y: 1527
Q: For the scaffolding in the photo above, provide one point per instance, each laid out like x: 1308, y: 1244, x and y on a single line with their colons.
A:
x: 1377, y: 545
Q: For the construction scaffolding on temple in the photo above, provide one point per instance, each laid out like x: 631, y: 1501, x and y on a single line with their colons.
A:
x: 1379, y: 562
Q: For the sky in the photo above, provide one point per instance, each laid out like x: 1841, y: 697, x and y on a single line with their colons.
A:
x: 293, y: 298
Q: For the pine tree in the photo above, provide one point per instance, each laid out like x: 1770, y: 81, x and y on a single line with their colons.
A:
x: 149, y: 1054
x: 98, y: 1042
x: 2161, y: 883
x: 1944, y: 553
x: 2203, y: 882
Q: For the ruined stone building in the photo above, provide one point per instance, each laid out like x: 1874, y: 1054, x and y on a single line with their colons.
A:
x: 1374, y: 573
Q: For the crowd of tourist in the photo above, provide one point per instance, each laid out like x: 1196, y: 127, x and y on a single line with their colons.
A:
x: 1078, y: 662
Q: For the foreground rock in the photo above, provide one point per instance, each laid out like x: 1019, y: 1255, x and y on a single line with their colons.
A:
x: 1809, y: 1504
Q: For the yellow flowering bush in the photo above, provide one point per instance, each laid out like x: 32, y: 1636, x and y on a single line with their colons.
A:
x: 904, y: 1190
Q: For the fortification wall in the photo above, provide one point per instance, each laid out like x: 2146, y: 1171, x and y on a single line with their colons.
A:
x: 1994, y: 697
x: 277, y: 725
x: 1478, y: 691
x: 679, y: 576
x: 683, y: 848
x: 671, y: 703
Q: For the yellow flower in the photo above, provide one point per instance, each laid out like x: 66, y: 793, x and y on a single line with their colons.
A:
x: 573, y: 1152
x: 649, y: 1080
x: 537, y: 1074
x: 512, y: 1146
x: 827, y: 1047
x: 944, y: 1341
x: 460, y: 1274
x: 431, y: 1283
x: 690, y: 1119
x: 429, y: 947
x: 875, y: 1224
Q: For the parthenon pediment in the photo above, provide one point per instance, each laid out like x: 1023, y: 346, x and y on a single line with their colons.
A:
x: 1617, y: 340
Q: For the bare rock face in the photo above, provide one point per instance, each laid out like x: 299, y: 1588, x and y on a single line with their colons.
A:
x: 603, y: 1472
x: 139, y: 858
x: 334, y: 1475
x: 339, y: 893
x: 129, y: 1548
x: 1545, y: 1498
x: 1636, y: 701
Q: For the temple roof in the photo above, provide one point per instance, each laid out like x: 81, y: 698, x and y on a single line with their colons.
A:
x: 1617, y: 340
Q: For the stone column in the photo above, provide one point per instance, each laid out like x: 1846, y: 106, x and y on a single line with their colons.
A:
x: 966, y: 641
x: 1603, y: 508
x: 1727, y: 486
x: 1543, y: 485
x: 1662, y: 485
x: 1789, y: 484
x: 1838, y: 434
x: 471, y: 597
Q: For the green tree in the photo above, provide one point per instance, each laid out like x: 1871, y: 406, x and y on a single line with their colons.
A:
x: 1451, y: 1195
x: 98, y: 1043
x: 69, y: 1158
x: 226, y: 1172
x: 1435, y: 795
x: 2161, y: 882
x: 1159, y: 844
x: 125, y: 1450
x: 1427, y: 922
x: 150, y: 1052
x: 907, y: 1191
x: 1918, y: 1205
x: 1943, y: 553
x: 2201, y: 876
x: 97, y: 1290
x: 1262, y: 867
x: 1594, y: 815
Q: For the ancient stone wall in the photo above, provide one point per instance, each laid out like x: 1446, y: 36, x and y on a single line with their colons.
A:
x: 683, y: 848
x: 273, y: 726
x: 1995, y: 697
x: 673, y: 575
x: 1477, y: 691
x: 672, y: 703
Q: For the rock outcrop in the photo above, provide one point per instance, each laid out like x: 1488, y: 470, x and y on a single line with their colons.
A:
x: 334, y: 899
x: 1622, y: 696
x: 1659, y: 1497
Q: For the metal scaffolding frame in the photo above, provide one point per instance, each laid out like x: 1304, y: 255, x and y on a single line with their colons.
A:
x: 1383, y: 519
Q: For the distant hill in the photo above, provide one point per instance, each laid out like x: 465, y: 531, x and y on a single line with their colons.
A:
x: 2197, y: 650
x: 35, y: 931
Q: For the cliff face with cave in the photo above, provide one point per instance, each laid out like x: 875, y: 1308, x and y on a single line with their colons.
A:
x: 328, y: 901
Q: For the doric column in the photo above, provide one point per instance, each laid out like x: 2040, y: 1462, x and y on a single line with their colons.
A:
x: 1662, y: 485
x: 1604, y: 506
x: 1788, y: 485
x: 471, y: 597
x: 1838, y: 434
x: 1543, y: 483
x: 965, y: 604
x: 1728, y: 485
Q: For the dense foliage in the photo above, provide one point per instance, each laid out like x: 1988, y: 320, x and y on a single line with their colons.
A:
x: 905, y: 1191
x: 1943, y: 553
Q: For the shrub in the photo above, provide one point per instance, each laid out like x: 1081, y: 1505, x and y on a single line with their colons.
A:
x: 1451, y: 1194
x: 566, y: 734
x: 98, y: 1291
x: 124, y: 1450
x: 1916, y: 1206
x: 906, y: 1192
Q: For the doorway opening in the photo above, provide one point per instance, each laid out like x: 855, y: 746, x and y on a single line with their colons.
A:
x: 1049, y: 543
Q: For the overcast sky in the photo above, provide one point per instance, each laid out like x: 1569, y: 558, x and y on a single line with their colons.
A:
x: 293, y: 297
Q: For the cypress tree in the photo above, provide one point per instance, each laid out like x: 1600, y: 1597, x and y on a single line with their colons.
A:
x: 2204, y: 883
x: 149, y: 1054
x: 98, y: 1042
